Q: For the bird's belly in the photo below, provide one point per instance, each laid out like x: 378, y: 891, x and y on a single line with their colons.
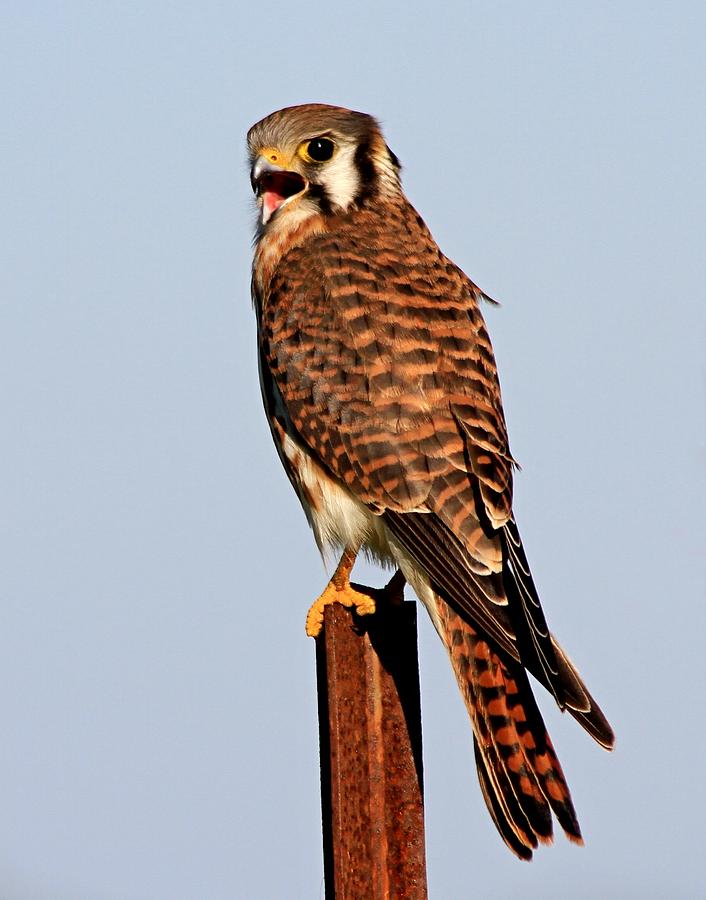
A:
x: 340, y: 520
x: 337, y: 518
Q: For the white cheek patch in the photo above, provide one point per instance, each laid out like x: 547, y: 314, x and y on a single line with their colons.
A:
x: 340, y: 177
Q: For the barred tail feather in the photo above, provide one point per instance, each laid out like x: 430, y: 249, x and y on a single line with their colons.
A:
x: 520, y: 775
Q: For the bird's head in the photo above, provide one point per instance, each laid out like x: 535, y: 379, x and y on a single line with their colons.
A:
x: 313, y: 159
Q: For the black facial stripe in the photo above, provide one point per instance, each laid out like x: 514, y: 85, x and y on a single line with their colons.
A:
x: 320, y: 195
x: 366, y: 169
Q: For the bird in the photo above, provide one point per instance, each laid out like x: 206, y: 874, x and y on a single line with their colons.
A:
x: 380, y: 387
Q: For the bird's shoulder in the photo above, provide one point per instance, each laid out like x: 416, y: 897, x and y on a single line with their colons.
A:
x: 378, y: 256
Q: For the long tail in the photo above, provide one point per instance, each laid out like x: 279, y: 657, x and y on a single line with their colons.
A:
x: 520, y: 775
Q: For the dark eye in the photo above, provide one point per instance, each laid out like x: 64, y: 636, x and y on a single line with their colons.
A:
x: 320, y: 149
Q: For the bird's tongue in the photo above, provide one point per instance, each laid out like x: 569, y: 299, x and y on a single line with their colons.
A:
x: 271, y: 201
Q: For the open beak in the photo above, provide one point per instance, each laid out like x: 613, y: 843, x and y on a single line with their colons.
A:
x: 274, y: 186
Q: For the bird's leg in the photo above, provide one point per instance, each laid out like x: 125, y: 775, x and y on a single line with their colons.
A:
x: 339, y: 590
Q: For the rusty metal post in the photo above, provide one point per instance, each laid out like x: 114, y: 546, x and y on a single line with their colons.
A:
x: 370, y: 738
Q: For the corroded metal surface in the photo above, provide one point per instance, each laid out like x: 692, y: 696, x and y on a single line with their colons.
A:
x: 371, y: 754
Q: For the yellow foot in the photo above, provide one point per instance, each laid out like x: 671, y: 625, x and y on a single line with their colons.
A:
x: 345, y: 595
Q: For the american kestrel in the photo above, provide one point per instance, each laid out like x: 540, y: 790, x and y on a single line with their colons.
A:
x: 380, y: 387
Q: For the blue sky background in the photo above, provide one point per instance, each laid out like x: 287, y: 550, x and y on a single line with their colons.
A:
x: 157, y: 692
